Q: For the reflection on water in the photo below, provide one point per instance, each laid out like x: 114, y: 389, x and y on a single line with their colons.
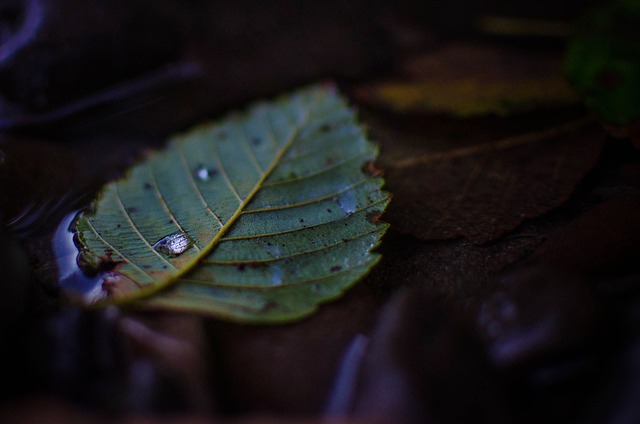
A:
x: 347, y: 201
x: 75, y: 283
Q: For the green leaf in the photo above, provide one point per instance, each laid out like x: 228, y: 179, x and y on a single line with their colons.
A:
x: 603, y: 61
x: 258, y: 218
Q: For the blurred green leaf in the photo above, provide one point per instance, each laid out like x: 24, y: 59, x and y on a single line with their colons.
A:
x: 603, y: 61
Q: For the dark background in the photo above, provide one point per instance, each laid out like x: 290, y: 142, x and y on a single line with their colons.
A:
x: 507, y: 287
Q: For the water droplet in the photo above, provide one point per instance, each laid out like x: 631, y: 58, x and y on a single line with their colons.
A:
x: 117, y: 285
x: 202, y: 173
x: 272, y: 250
x: 276, y: 279
x: 347, y: 202
x: 173, y: 244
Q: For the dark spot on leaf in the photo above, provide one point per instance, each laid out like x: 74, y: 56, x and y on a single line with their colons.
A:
x: 92, y: 264
x: 132, y: 209
x: 164, y: 267
x: 87, y: 262
x: 148, y: 186
x: 256, y: 141
x: 374, y: 217
x: 300, y: 220
x: 268, y: 306
x: 119, y: 225
x: 257, y: 264
x: 329, y: 210
x: 325, y: 127
x: 240, y: 267
x: 335, y: 268
x: 370, y: 169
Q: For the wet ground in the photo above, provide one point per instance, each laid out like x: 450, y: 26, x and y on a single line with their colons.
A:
x: 508, y: 286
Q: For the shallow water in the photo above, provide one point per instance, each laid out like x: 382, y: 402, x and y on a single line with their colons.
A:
x: 75, y: 283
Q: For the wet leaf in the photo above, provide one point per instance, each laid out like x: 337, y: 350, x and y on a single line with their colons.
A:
x: 604, y: 241
x: 482, y: 191
x: 473, y: 80
x: 603, y: 62
x: 259, y: 217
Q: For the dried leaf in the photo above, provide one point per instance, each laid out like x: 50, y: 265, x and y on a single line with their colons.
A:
x: 483, y: 191
x: 473, y: 80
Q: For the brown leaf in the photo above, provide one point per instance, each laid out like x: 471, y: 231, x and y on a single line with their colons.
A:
x: 603, y: 241
x: 466, y: 79
x: 482, y: 191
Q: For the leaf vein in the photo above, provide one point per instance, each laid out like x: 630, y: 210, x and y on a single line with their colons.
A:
x: 194, y: 186
x: 307, y: 202
x: 250, y: 152
x: 251, y: 236
x: 293, y: 255
x: 314, y: 174
x: 164, y: 204
x: 112, y: 247
x: 223, y: 171
x: 127, y: 216
x: 275, y: 287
